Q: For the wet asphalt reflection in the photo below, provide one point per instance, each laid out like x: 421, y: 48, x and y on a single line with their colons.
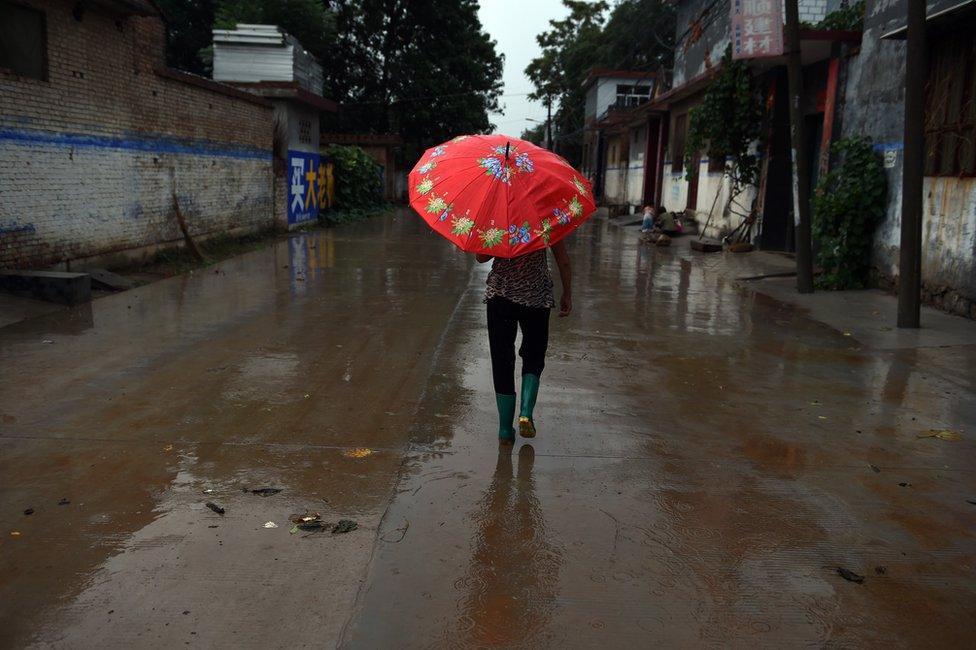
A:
x: 707, y: 458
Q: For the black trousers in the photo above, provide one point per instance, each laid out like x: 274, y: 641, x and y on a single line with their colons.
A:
x: 504, y: 320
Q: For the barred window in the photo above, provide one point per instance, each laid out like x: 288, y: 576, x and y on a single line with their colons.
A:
x: 950, y: 112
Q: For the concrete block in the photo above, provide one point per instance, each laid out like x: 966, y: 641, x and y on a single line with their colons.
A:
x: 54, y: 286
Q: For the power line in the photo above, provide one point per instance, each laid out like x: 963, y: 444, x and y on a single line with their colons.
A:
x: 426, y: 97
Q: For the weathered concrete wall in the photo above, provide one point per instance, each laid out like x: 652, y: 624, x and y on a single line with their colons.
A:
x: 90, y: 157
x: 704, y: 37
x: 675, y: 198
x: 874, y: 106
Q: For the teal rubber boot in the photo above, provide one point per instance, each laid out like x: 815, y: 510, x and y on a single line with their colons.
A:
x: 530, y: 391
x: 506, y: 413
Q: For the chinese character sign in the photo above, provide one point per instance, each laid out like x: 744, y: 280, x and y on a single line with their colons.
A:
x: 757, y: 28
x: 304, y: 195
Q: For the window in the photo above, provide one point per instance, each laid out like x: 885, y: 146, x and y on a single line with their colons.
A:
x: 628, y: 96
x: 678, y: 144
x: 638, y: 144
x: 23, y: 41
x: 950, y: 112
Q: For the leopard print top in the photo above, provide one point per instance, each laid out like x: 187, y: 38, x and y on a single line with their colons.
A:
x: 524, y: 280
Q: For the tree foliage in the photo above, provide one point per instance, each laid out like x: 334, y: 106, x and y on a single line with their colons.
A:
x: 638, y: 35
x: 359, y: 185
x: 536, y: 134
x: 727, y: 122
x: 424, y: 69
x: 848, y: 204
x: 306, y: 20
x: 188, y: 31
x: 190, y: 25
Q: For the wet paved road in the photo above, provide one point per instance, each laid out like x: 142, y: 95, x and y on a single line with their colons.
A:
x: 704, y: 463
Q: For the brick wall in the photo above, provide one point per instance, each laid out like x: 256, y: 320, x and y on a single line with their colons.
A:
x: 89, y: 158
x: 812, y: 11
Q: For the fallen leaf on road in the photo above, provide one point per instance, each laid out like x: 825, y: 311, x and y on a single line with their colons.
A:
x: 344, y: 526
x: 29, y: 511
x: 941, y: 434
x: 15, y: 533
x: 359, y: 452
x: 877, y: 470
x: 215, y: 508
x: 168, y: 448
x: 849, y: 575
x: 265, y: 492
x: 309, y: 522
x: 905, y: 484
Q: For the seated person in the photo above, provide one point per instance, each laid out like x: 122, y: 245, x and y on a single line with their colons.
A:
x: 668, y: 223
x: 650, y: 217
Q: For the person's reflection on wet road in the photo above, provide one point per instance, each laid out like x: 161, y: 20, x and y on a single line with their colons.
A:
x: 514, y: 568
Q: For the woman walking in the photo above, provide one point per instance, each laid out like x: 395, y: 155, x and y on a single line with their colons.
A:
x: 519, y: 295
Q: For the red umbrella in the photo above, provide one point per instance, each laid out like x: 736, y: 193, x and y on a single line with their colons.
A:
x: 499, y: 195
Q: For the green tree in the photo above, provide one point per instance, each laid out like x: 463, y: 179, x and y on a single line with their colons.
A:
x: 638, y: 36
x: 534, y: 134
x: 424, y: 69
x: 307, y: 20
x: 570, y: 49
x: 189, y: 25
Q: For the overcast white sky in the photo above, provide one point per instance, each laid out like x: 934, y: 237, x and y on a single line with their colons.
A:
x: 514, y: 25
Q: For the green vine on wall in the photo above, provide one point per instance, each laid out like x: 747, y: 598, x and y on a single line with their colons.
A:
x: 848, y: 205
x: 726, y: 125
x: 727, y: 122
x: 849, y: 18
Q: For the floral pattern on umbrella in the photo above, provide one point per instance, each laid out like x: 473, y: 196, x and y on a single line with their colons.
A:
x: 466, y: 205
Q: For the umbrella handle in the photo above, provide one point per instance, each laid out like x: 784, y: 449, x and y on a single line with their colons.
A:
x: 507, y: 145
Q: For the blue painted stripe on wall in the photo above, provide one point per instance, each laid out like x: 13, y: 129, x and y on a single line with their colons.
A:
x: 142, y: 143
x: 888, y: 146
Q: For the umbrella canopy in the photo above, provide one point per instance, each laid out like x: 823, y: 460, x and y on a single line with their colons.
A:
x: 499, y: 195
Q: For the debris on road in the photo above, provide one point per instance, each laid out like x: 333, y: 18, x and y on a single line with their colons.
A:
x: 359, y: 452
x: 15, y: 533
x: 941, y: 434
x: 877, y: 470
x: 264, y: 492
x: 63, y: 502
x: 270, y: 524
x: 905, y: 484
x: 310, y: 522
x: 344, y: 526
x: 213, y: 506
x: 849, y: 575
x: 880, y: 570
x: 28, y: 512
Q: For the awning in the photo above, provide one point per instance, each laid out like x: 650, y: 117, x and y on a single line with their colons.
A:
x: 939, y: 19
x: 815, y: 45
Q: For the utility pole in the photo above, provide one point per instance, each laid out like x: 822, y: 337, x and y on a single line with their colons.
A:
x: 801, y: 171
x: 910, y: 255
x: 549, y: 122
